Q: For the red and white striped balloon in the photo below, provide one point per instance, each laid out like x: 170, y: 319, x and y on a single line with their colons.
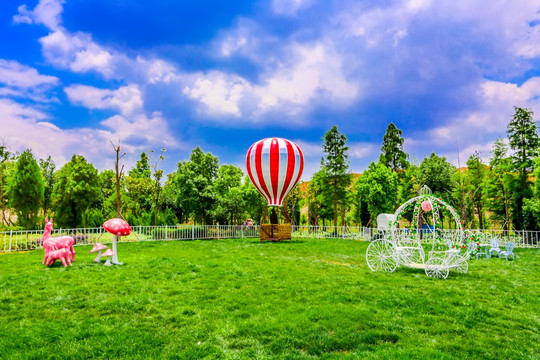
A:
x: 274, y: 166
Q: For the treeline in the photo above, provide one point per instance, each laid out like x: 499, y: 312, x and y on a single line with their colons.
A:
x: 501, y: 194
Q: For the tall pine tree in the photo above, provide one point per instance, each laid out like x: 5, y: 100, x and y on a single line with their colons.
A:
x: 336, y: 165
x: 392, y: 154
x: 524, y: 140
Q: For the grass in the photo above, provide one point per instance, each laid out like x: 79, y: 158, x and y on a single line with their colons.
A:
x: 239, y: 299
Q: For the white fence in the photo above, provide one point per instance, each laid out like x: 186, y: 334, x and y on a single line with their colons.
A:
x: 29, y: 240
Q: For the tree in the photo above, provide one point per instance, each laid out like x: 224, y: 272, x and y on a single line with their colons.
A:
x: 436, y: 173
x: 26, y: 190
x: 378, y: 189
x: 194, y: 183
x: 142, y: 168
x: 47, y: 167
x: 76, y: 189
x: 392, y: 154
x: 5, y: 164
x: 255, y: 203
x: 336, y: 165
x: 158, y: 174
x: 524, y: 140
x: 476, y: 171
x: 498, y: 184
x: 228, y: 188
x: 531, y: 206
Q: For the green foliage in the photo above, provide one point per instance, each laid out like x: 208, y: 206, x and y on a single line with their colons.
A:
x: 436, y: 173
x: 377, y: 190
x: 498, y: 184
x: 474, y: 179
x: 47, y: 167
x: 238, y: 299
x: 194, y: 184
x: 77, y: 188
x: 392, y: 154
x: 524, y: 140
x: 5, y: 166
x: 142, y: 168
x: 335, y: 165
x: 229, y: 193
x: 254, y: 202
x: 531, y: 207
x: 26, y: 190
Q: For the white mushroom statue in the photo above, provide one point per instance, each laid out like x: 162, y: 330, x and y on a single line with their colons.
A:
x: 97, y: 248
x: 108, y: 254
x: 117, y: 227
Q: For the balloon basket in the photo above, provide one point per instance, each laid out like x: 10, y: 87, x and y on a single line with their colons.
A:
x: 275, y: 232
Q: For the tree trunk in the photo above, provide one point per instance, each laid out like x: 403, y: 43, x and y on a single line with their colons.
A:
x: 480, y: 215
x: 335, y: 205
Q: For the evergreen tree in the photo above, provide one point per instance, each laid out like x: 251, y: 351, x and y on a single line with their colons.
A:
x: 26, y: 190
x: 336, y: 166
x: 392, y: 154
x: 524, y: 140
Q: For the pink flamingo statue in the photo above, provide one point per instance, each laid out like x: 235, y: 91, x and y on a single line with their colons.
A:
x: 60, y: 254
x: 54, y: 243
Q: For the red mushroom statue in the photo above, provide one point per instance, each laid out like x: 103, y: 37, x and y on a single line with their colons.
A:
x: 117, y: 227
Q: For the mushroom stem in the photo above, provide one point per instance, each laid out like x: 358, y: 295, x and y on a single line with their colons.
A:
x: 115, y: 256
x: 108, y: 262
x: 98, y: 257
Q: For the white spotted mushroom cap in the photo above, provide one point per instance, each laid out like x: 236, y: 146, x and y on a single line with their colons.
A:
x: 109, y: 252
x: 97, y: 247
x: 117, y: 227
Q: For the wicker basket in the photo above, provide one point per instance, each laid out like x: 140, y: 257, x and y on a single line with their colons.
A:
x: 274, y: 232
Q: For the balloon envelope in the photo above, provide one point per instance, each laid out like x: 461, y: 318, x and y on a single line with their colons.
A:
x: 274, y: 166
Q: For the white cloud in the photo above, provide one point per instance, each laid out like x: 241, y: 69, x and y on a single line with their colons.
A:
x: 220, y: 93
x: 46, y: 12
x: 78, y: 52
x: 14, y: 74
x: 311, y: 73
x: 131, y: 124
x: 289, y: 7
x: 127, y: 99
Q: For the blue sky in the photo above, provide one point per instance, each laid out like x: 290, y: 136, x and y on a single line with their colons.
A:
x: 224, y: 74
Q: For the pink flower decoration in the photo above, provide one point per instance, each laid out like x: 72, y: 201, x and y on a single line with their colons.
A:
x: 426, y: 206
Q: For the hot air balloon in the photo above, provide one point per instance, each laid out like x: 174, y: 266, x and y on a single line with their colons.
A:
x: 274, y: 166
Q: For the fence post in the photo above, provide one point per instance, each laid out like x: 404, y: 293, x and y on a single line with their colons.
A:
x: 242, y: 231
x: 193, y: 231
x: 10, y: 238
x: 166, y: 235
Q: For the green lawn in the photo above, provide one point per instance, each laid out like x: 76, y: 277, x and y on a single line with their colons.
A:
x: 239, y: 299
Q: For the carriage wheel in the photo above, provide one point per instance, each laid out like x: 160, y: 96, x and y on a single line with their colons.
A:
x: 380, y: 256
x: 462, y: 266
x: 437, y: 267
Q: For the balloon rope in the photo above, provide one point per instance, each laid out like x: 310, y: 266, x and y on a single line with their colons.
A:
x: 286, y: 215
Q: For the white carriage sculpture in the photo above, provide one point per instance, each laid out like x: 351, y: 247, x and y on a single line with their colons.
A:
x: 402, y: 247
